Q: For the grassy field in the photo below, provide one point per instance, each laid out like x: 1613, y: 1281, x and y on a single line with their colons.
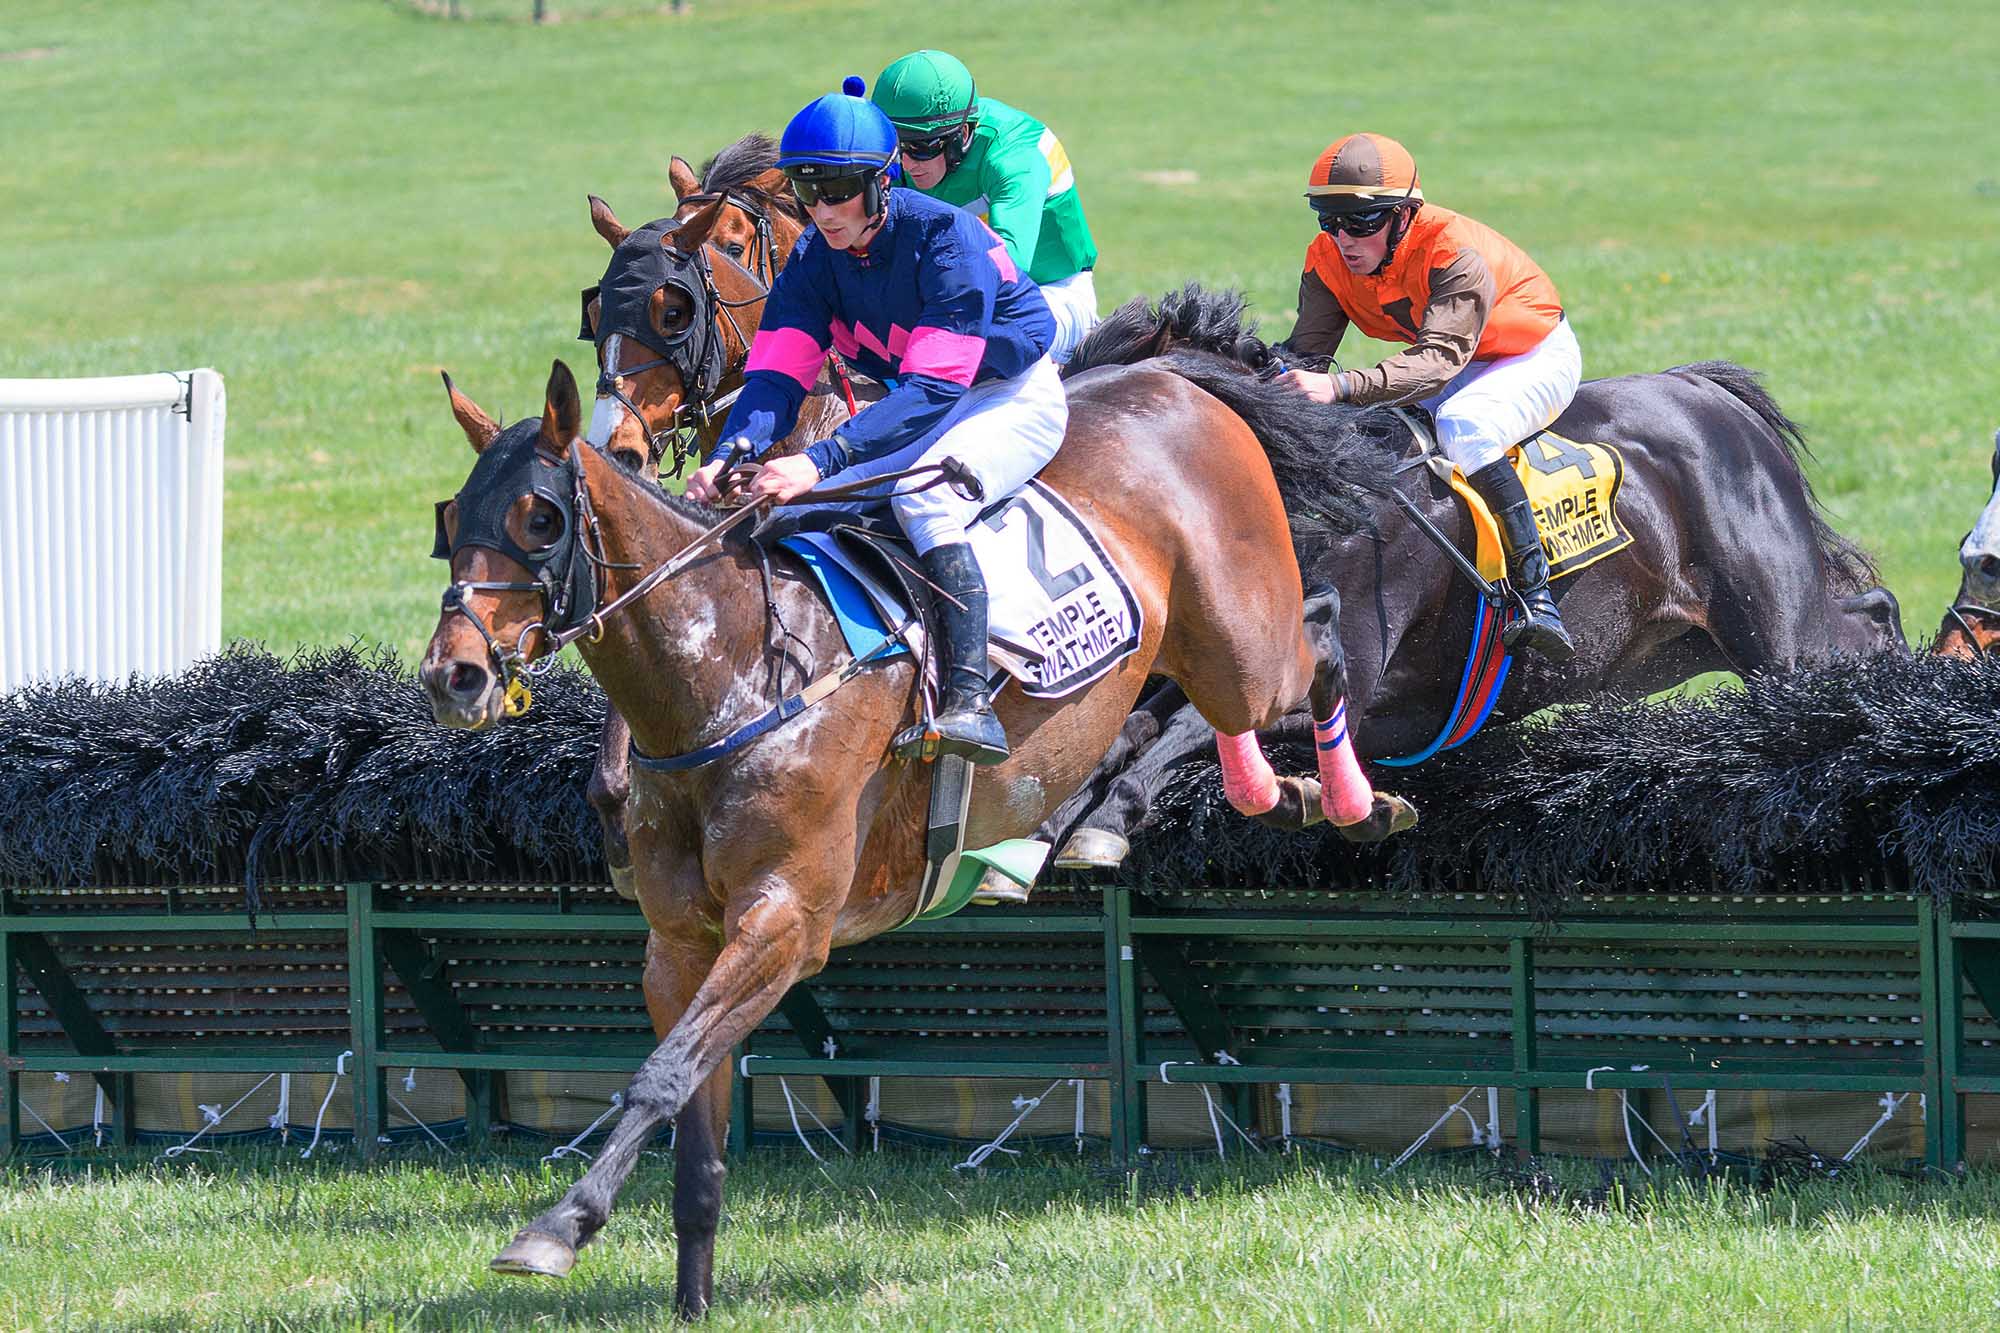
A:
x: 261, y: 1241
x: 331, y: 201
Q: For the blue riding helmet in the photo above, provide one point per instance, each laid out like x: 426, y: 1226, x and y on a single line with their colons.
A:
x: 838, y: 138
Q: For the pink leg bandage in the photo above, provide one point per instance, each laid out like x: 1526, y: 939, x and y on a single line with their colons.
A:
x: 1247, y: 779
x: 1344, y: 793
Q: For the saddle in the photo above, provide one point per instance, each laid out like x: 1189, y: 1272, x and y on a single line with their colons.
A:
x: 1574, y: 489
x: 864, y: 564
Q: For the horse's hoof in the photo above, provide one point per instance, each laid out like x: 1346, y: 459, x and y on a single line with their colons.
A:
x: 535, y: 1254
x: 625, y: 882
x: 1297, y: 807
x: 1389, y: 815
x: 1093, y: 849
x: 996, y: 890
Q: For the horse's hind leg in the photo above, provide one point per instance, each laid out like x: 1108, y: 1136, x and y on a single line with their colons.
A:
x: 1160, y: 735
x: 1361, y: 813
x: 610, y: 784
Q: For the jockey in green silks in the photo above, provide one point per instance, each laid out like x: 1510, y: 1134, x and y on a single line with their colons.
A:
x: 982, y: 155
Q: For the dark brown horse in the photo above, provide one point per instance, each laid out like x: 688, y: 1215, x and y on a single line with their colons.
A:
x: 1972, y: 627
x: 749, y: 869
x: 1732, y: 567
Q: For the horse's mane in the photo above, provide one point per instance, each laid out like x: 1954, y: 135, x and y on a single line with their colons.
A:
x: 1849, y: 568
x: 735, y: 167
x: 1332, y: 461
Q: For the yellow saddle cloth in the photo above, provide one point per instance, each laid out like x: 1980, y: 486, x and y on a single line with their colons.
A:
x: 1574, y: 488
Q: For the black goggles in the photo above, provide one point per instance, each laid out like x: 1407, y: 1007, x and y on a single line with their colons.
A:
x: 923, y: 150
x: 1355, y: 224
x: 831, y: 190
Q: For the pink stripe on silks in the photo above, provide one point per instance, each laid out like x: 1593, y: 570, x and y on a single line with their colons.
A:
x: 844, y: 341
x: 1004, y: 262
x: 945, y: 355
x: 1247, y: 780
x: 864, y: 337
x: 789, y: 351
x: 1344, y: 794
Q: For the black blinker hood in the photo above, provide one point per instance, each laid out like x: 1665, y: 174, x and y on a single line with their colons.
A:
x: 643, y: 263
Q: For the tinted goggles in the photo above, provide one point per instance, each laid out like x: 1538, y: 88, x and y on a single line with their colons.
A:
x: 828, y: 190
x: 1355, y: 224
x: 923, y: 150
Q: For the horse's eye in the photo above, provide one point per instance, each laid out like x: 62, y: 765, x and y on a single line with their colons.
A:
x: 734, y: 249
x: 541, y: 524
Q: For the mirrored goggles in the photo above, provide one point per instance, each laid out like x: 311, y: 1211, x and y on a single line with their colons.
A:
x: 830, y: 190
x: 1355, y: 224
x: 924, y: 149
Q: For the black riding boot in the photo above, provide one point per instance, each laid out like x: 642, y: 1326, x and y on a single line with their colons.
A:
x: 965, y: 723
x: 1541, y: 629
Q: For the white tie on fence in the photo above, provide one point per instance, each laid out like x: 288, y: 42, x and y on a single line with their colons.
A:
x: 110, y: 525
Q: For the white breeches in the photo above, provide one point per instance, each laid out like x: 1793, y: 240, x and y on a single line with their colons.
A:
x: 1491, y: 406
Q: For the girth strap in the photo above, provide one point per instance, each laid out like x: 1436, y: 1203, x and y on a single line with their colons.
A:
x: 782, y: 711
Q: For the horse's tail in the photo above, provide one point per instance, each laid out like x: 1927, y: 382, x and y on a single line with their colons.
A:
x: 1850, y: 568
x: 1191, y: 318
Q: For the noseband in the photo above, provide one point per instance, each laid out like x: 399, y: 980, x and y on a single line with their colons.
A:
x: 646, y: 262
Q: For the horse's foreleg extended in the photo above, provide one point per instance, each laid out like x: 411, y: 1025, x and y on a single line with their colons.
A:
x: 768, y: 951
x: 610, y: 784
x: 1362, y: 814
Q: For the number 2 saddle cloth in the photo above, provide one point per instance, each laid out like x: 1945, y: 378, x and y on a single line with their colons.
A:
x: 1060, y: 614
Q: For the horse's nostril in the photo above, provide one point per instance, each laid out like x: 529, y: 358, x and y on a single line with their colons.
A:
x: 466, y: 680
x: 1988, y: 567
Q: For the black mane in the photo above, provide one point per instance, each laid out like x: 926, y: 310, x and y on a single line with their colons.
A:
x: 1332, y: 461
x: 735, y: 167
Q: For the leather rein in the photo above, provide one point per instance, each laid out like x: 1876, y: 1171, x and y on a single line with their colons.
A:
x: 561, y: 625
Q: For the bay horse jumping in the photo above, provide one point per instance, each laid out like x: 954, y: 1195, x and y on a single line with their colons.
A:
x: 1971, y: 628
x: 750, y: 868
x: 1732, y: 567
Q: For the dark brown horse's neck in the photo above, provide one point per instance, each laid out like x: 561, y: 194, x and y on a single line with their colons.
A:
x: 680, y: 664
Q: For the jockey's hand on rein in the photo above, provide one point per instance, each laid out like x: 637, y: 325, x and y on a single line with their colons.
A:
x: 704, y: 487
x: 783, y: 479
x: 1319, y: 388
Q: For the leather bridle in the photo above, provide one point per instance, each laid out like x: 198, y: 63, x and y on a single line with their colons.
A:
x: 697, y: 353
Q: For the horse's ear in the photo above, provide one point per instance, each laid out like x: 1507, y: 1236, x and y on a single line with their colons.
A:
x: 681, y: 176
x: 606, y: 222
x: 562, y: 413
x: 691, y: 234
x: 772, y: 183
x: 479, y: 428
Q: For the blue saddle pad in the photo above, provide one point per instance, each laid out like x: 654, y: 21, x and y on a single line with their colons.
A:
x: 861, y: 623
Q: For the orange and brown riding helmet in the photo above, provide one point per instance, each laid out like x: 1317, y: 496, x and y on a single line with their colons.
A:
x: 1361, y: 173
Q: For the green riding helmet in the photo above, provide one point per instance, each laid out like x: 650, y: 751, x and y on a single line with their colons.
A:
x: 928, y: 94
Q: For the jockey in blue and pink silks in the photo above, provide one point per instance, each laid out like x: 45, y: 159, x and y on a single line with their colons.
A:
x: 924, y: 297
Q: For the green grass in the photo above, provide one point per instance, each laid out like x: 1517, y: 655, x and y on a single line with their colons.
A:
x: 259, y: 1240
x: 331, y: 201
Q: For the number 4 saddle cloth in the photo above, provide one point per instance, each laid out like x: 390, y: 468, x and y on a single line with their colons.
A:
x: 1060, y: 613
x: 1574, y: 489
